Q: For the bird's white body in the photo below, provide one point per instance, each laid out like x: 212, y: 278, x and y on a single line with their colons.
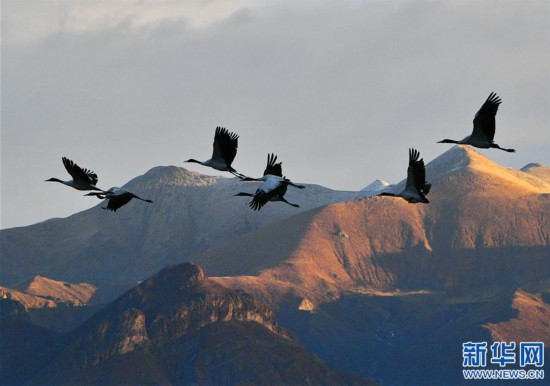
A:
x: 475, y: 141
x: 273, y: 187
x: 80, y: 185
x: 411, y: 195
x: 270, y: 183
x: 115, y: 191
x: 216, y: 163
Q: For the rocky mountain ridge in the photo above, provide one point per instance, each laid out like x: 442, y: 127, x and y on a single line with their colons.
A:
x: 156, y: 326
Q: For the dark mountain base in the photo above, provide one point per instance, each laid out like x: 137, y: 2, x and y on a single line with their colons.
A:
x: 409, y: 339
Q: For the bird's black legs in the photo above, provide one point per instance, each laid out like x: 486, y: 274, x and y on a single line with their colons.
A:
x: 238, y: 175
x: 494, y: 145
x: 98, y: 195
x: 286, y: 202
x: 142, y: 199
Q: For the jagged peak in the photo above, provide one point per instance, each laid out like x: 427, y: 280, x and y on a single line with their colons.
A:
x: 185, y: 279
x: 186, y: 274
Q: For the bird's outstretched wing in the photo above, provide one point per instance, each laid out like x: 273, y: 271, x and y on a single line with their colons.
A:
x: 259, y: 200
x: 225, y: 145
x: 484, y: 121
x: 416, y: 173
x: 117, y: 201
x: 79, y: 174
x: 269, y: 189
x: 275, y: 169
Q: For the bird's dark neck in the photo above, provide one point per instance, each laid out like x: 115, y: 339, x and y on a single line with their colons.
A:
x: 449, y: 141
x: 244, y: 194
x: 246, y: 179
x: 55, y: 180
x: 387, y: 194
x: 194, y: 160
x: 494, y: 145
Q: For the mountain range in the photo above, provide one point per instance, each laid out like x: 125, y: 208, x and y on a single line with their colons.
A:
x: 191, y: 213
x: 359, y: 287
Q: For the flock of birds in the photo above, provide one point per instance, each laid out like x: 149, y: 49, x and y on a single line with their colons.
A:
x: 274, y: 183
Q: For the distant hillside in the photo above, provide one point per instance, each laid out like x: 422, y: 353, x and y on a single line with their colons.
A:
x: 179, y: 327
x: 55, y: 305
x: 61, y: 291
x: 537, y: 170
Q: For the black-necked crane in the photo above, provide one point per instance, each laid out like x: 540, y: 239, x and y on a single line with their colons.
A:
x: 83, y: 179
x: 116, y: 197
x: 274, y: 185
x: 223, y: 153
x: 484, y: 127
x: 416, y: 187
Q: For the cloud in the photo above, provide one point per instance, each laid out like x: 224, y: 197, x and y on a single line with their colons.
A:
x: 339, y: 90
x: 29, y: 21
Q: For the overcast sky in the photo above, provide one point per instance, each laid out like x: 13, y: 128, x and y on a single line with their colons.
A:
x: 339, y: 90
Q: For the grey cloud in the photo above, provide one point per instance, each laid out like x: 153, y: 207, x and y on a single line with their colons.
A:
x: 339, y: 91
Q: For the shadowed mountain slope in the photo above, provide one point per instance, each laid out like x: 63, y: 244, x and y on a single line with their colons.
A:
x: 532, y: 323
x: 180, y: 327
x: 26, y: 348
